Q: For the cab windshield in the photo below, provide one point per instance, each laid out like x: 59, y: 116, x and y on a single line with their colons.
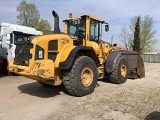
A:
x: 75, y: 26
x: 18, y: 37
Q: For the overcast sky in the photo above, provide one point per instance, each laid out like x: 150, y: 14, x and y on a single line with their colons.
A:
x: 116, y: 12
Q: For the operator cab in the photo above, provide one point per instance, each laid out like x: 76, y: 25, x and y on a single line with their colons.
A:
x: 85, y: 27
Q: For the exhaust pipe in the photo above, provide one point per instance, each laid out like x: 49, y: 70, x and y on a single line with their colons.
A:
x: 56, y: 23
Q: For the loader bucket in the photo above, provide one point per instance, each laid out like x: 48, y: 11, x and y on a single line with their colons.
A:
x: 136, y: 64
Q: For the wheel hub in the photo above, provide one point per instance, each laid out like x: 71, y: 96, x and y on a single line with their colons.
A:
x: 123, y: 71
x: 86, y: 76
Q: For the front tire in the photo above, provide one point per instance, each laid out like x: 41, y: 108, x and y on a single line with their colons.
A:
x: 81, y: 80
x: 120, y: 72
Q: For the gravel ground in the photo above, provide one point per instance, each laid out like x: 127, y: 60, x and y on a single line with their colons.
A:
x: 23, y: 98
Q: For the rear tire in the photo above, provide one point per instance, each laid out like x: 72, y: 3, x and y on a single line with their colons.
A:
x: 120, y: 72
x: 81, y: 80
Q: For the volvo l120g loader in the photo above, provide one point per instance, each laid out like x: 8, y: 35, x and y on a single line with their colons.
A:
x: 76, y: 58
x: 10, y: 35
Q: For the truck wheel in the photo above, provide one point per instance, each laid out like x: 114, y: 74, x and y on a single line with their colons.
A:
x: 82, y: 78
x: 120, y: 73
x: 5, y: 69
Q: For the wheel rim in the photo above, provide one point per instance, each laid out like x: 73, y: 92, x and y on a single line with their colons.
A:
x: 123, y: 71
x: 86, y: 77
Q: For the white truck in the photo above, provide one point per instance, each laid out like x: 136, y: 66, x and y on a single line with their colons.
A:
x: 10, y: 35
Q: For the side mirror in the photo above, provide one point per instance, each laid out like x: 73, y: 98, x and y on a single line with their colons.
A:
x: 106, y: 27
x: 8, y: 39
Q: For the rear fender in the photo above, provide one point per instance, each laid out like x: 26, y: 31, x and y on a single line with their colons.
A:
x: 111, y: 60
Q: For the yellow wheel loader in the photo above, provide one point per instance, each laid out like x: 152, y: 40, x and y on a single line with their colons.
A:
x: 76, y: 58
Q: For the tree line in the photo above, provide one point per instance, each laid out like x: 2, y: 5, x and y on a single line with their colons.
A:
x: 140, y: 36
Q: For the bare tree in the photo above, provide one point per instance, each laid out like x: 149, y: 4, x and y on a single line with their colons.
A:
x: 124, y: 36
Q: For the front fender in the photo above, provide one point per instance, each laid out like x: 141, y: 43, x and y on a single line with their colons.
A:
x: 71, y: 54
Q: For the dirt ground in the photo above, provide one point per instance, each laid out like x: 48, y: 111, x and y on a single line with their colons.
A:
x: 24, y: 99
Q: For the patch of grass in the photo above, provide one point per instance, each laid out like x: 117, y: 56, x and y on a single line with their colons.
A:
x: 139, y: 103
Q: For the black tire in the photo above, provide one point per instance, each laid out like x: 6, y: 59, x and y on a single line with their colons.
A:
x: 72, y: 80
x: 116, y: 76
x: 5, y: 69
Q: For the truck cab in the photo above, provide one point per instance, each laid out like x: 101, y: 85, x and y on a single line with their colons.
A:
x: 10, y: 35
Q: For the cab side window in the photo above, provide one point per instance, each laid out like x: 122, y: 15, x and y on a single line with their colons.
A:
x: 94, y: 30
